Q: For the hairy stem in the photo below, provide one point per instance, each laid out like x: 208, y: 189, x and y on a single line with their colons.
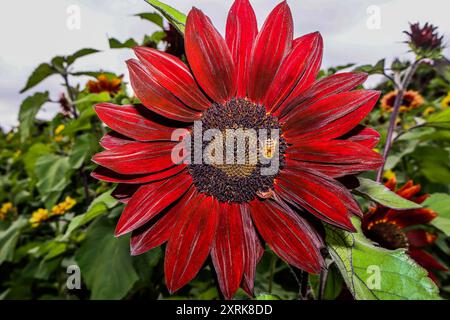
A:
x: 398, y: 101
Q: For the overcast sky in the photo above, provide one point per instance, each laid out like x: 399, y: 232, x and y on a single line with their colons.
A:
x: 32, y: 32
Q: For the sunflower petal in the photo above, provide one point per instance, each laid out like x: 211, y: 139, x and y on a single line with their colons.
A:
x: 253, y: 251
x: 157, y: 98
x: 124, y: 192
x: 343, y: 157
x: 323, y: 88
x: 227, y: 251
x: 209, y: 57
x: 331, y: 117
x: 130, y: 121
x: 173, y: 75
x: 271, y: 46
x: 288, y: 235
x: 147, y: 238
x: 365, y: 136
x: 190, y: 243
x: 150, y: 200
x: 107, y: 175
x: 241, y: 32
x: 137, y: 157
x: 113, y: 140
x: 297, y: 72
x: 321, y: 196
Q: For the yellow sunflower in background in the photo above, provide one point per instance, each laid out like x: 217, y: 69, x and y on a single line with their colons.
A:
x: 445, y: 103
x: 41, y: 215
x: 411, y: 100
x: 428, y: 111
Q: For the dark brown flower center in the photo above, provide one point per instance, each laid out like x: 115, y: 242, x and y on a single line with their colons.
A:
x: 388, y: 235
x: 242, y: 151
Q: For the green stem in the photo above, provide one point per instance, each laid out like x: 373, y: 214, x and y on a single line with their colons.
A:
x: 273, y: 262
x: 398, y: 101
x: 75, y: 115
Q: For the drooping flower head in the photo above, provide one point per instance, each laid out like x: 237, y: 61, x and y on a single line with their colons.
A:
x: 64, y: 105
x: 174, y: 42
x: 251, y: 81
x: 394, y: 229
x: 411, y: 100
x: 425, y: 41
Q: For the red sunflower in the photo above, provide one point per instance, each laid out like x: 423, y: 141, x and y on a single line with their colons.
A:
x: 252, y: 79
x: 394, y: 229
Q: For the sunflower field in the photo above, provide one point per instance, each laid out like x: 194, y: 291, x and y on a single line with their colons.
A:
x: 92, y: 205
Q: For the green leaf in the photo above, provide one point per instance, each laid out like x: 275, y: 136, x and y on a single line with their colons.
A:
x: 94, y: 74
x: 433, y: 163
x: 28, y: 110
x: 84, y: 148
x: 175, y: 17
x: 99, y: 206
x: 379, y: 193
x: 116, y: 44
x: 373, y: 273
x: 42, y: 72
x: 9, y: 238
x: 58, y: 64
x: 267, y: 297
x: 152, y: 17
x: 154, y: 39
x: 333, y: 285
x: 30, y: 157
x: 105, y: 262
x: 378, y: 68
x: 440, y: 119
x: 440, y: 203
x: 80, y: 53
x: 80, y: 124
x: 52, y: 172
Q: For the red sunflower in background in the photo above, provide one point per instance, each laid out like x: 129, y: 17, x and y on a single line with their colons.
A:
x: 392, y: 229
x: 252, y: 79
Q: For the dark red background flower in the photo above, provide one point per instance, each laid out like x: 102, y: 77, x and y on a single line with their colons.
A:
x: 391, y: 228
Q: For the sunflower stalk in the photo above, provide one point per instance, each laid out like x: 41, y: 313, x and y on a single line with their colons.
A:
x: 75, y: 115
x: 402, y: 87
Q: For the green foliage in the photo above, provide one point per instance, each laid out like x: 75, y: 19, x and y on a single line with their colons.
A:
x: 373, y: 273
x: 116, y: 44
x: 152, y: 17
x: 9, y: 238
x: 175, y: 17
x: 106, y: 263
x: 440, y: 203
x: 99, y: 206
x: 377, y: 68
x: 382, y: 195
x: 53, y: 172
x: 42, y: 72
x: 79, y: 54
x: 28, y: 110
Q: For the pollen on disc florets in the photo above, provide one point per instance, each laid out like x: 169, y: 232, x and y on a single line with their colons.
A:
x: 253, y: 138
